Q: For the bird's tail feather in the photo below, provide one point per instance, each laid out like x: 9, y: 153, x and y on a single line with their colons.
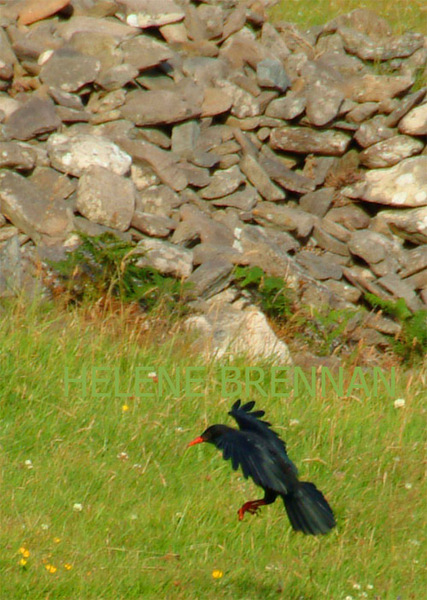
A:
x: 308, y: 510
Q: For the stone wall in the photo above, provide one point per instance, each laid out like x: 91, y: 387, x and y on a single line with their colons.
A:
x: 215, y: 138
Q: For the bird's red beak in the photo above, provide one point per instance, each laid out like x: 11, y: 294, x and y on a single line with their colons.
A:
x: 198, y: 440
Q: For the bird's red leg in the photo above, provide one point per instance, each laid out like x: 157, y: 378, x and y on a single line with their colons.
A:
x: 250, y: 507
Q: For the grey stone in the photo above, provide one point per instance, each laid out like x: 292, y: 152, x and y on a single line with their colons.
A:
x: 163, y: 163
x: 272, y: 41
x: 157, y: 200
x: 223, y: 183
x: 374, y: 130
x: 318, y: 266
x: 149, y: 13
x: 73, y: 154
x: 211, y: 277
x: 211, y: 252
x: 391, y: 151
x: 304, y: 140
x: 369, y: 245
x: 351, y: 216
x: 317, y: 202
x: 215, y: 102
x: 69, y: 70
x: 279, y: 172
x: 404, y: 106
x: 329, y: 242
x: 184, y: 138
x: 196, y: 176
x: 163, y: 106
x: 151, y: 224
x: 167, y: 258
x: 117, y: 77
x: 106, y: 198
x: 363, y: 46
x: 260, y: 179
x: 54, y: 185
x: 414, y: 260
x: 415, y: 122
x: 33, y: 118
x: 362, y: 112
x: 197, y: 225
x: 343, y: 290
x: 18, y: 156
x: 89, y: 24
x: 243, y: 200
x: 376, y: 88
x: 271, y: 74
x: 324, y: 100
x: 28, y: 209
x: 143, y: 52
x: 290, y: 219
x: 404, y: 184
x: 411, y: 224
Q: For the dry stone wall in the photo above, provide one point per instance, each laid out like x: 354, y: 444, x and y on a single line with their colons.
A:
x: 215, y: 138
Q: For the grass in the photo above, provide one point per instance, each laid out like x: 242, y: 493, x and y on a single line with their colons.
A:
x: 159, y: 521
x: 403, y: 15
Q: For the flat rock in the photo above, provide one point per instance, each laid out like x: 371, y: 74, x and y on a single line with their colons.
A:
x: 154, y: 107
x: 414, y: 260
x: 106, y: 198
x: 411, y: 224
x: 163, y: 163
x: 88, y: 24
x: 144, y: 52
x: 184, y: 138
x: 243, y: 200
x: 319, y: 267
x: 223, y: 183
x: 33, y: 118
x: 73, y: 154
x: 54, y: 185
x: 363, y: 46
x: 30, y: 210
x: 404, y: 106
x: 17, y: 156
x: 69, y: 70
x: 285, y: 177
x: 290, y: 219
x: 167, y: 258
x: 318, y: 201
x: 31, y: 11
x: 391, y: 151
x: 157, y: 200
x: 376, y: 88
x: 271, y: 74
x: 404, y: 184
x: 157, y: 226
x: 415, y: 122
x: 149, y: 13
x: 351, y: 216
x: 369, y: 245
x: 289, y: 107
x: 215, y: 102
x: 260, y: 179
x: 211, y: 277
x: 373, y: 131
x: 305, y: 140
x: 324, y: 100
x: 400, y: 289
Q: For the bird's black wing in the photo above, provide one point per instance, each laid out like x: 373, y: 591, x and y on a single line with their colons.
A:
x: 260, y: 461
x: 250, y: 420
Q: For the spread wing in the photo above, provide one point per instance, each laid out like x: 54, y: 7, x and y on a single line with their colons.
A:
x: 263, y: 463
x: 250, y: 420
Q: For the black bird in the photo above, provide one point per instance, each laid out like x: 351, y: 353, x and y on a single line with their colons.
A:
x: 262, y: 455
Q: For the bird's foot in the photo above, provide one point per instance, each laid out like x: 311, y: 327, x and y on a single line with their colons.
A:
x: 250, y: 507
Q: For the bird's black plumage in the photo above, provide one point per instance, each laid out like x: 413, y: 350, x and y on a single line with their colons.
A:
x: 262, y: 455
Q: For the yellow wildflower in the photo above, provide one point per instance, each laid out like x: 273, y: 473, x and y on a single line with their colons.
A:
x: 50, y: 568
x: 56, y: 540
x: 217, y: 574
x: 23, y: 562
x: 25, y: 553
x: 67, y: 566
x: 125, y: 407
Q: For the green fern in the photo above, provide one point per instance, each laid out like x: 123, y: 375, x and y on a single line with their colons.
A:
x: 271, y: 293
x: 104, y: 266
x: 412, y: 340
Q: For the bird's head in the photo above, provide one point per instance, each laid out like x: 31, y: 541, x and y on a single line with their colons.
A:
x: 210, y: 435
